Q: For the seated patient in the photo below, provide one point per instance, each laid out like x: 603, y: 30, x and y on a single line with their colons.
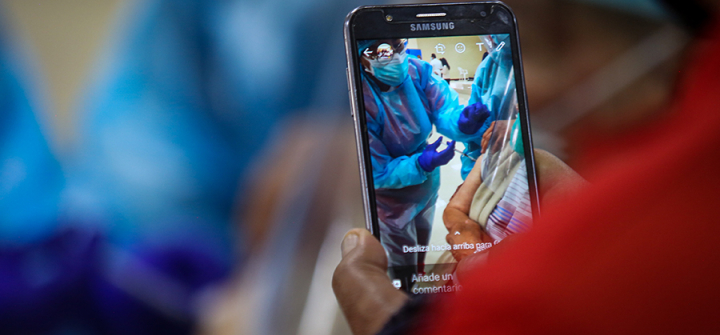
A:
x: 500, y: 203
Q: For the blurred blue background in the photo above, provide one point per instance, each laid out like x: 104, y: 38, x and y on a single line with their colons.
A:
x: 188, y: 166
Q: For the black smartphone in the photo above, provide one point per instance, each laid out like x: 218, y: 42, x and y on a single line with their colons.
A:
x: 438, y: 98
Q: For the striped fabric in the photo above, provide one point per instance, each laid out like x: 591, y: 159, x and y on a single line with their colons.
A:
x: 513, y: 213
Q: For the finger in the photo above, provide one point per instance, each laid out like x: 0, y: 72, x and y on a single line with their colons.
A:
x: 447, y: 154
x: 449, y: 238
x: 471, y: 109
x: 366, y: 247
x: 557, y: 181
x: 486, y: 138
x: 488, y: 133
x: 455, y: 254
x: 481, y: 113
x: 436, y: 144
x: 449, y: 150
x: 363, y: 289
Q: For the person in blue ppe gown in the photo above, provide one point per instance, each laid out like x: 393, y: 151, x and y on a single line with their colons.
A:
x: 185, y: 103
x: 492, y: 91
x: 403, y: 100
x: 31, y: 180
x: 43, y: 261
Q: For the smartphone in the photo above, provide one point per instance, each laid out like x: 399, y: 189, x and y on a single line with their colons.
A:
x: 438, y: 98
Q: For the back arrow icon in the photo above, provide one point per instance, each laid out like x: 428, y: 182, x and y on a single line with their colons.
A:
x: 367, y: 53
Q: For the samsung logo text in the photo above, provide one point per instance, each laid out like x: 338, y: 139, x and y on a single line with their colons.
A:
x: 432, y: 26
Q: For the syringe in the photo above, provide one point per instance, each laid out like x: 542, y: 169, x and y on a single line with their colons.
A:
x: 464, y: 154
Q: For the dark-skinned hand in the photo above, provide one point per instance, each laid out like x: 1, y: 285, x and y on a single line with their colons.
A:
x: 365, y: 292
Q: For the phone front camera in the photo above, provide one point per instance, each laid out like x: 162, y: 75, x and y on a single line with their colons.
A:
x: 483, y: 14
x: 388, y: 18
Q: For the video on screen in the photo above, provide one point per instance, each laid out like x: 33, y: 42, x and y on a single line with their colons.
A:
x: 448, y: 162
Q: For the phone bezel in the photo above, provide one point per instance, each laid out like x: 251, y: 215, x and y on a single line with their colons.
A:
x: 458, y: 13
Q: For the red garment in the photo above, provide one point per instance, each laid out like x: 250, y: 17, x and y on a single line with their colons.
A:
x: 637, y: 253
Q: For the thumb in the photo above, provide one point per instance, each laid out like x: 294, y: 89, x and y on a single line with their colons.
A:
x: 451, y: 145
x: 434, y: 145
x: 449, y: 152
x: 362, y: 287
x: 360, y: 246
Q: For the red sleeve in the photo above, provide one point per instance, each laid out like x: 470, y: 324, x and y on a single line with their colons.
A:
x: 637, y: 253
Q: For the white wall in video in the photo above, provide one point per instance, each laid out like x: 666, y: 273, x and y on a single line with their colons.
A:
x: 443, y: 112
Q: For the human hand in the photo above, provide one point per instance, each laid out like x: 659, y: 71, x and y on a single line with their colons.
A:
x: 462, y: 229
x: 486, y: 137
x: 458, y: 207
x: 496, y: 129
x: 361, y: 284
x: 472, y: 118
x: 556, y: 180
x: 467, y: 232
x: 429, y: 159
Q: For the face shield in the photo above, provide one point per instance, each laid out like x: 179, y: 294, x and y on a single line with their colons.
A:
x: 388, y: 61
x: 505, y: 146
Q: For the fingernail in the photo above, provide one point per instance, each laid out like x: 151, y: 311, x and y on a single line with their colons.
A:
x: 349, y: 243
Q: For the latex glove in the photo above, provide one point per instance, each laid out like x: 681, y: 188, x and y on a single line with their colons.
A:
x: 429, y: 159
x: 473, y: 117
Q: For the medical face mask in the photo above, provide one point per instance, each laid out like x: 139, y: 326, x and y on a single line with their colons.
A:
x: 392, y: 73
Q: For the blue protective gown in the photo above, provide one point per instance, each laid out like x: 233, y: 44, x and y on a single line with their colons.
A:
x: 31, y: 180
x: 399, y: 122
x: 187, y: 99
x: 492, y: 78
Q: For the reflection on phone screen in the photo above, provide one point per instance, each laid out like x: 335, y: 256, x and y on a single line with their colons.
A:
x: 440, y: 111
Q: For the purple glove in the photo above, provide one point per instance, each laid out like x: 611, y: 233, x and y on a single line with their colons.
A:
x: 429, y: 159
x: 473, y: 117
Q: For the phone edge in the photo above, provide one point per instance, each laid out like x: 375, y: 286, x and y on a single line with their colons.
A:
x: 352, y: 95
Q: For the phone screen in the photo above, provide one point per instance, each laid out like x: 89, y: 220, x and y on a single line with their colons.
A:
x: 438, y: 111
